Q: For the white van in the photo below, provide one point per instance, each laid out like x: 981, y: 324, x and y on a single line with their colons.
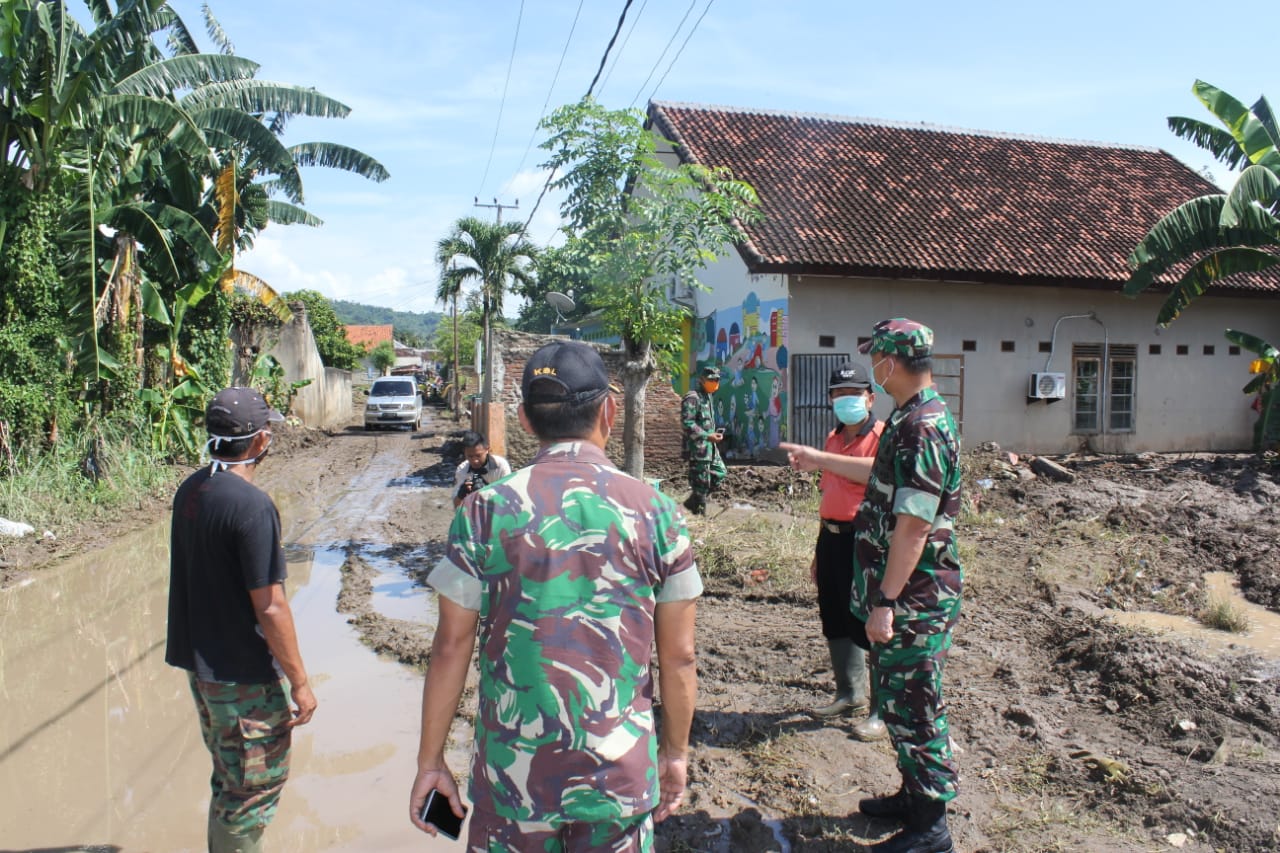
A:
x: 393, y: 401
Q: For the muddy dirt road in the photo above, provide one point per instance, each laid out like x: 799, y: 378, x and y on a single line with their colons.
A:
x: 1074, y: 732
x: 99, y: 748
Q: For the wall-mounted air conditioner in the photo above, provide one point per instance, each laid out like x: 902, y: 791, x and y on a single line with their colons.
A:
x: 1047, y: 386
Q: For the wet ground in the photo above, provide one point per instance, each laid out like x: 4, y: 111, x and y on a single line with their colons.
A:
x: 1074, y: 732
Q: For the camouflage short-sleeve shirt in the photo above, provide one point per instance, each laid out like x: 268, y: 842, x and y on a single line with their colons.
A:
x: 917, y: 473
x: 566, y: 560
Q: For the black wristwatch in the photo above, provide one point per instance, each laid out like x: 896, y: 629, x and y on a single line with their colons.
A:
x: 883, y: 600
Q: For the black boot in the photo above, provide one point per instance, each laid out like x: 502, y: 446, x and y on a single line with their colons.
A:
x: 896, y: 806
x: 696, y: 504
x: 925, y: 830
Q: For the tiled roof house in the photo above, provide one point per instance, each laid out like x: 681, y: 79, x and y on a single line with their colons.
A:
x: 369, y: 337
x: 1011, y: 248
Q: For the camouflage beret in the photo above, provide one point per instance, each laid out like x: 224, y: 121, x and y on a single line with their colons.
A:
x: 710, y: 374
x: 901, y: 337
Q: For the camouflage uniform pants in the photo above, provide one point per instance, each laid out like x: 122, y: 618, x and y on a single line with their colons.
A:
x: 706, y: 475
x: 244, y: 727
x: 907, y: 686
x: 489, y: 833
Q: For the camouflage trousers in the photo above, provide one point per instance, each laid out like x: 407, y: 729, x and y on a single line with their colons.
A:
x: 706, y: 475
x: 245, y: 729
x: 907, y: 688
x: 489, y: 833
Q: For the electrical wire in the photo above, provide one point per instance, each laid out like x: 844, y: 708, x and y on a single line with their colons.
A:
x: 623, y: 47
x: 676, y: 58
x: 663, y: 55
x: 503, y: 103
x: 603, y: 59
x: 537, y: 125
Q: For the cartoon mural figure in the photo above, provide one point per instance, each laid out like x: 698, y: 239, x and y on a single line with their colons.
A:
x: 748, y: 343
x: 775, y: 412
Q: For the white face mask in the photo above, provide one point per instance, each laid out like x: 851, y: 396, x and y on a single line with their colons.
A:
x: 223, y: 464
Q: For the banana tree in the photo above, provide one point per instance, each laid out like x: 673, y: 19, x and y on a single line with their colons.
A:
x: 1218, y: 235
x: 1265, y: 384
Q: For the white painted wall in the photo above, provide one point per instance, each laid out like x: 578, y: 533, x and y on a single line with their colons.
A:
x: 1184, y: 402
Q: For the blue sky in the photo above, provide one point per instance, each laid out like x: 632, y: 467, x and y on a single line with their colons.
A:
x: 448, y: 94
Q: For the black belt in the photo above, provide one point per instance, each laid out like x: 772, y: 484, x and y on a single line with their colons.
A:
x: 837, y: 526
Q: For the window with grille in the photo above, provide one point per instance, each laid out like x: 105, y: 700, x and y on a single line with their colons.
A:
x: 1104, y: 400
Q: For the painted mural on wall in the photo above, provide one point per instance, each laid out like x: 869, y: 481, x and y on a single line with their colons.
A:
x: 748, y: 342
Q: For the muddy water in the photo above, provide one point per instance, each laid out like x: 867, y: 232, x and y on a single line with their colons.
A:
x: 98, y: 739
x: 1262, y: 637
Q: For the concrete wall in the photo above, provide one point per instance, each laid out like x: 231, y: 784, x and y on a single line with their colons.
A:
x: 1184, y: 402
x: 326, y: 402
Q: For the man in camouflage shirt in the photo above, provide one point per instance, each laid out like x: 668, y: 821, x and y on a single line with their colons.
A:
x: 706, y: 467
x: 573, y: 570
x: 907, y: 579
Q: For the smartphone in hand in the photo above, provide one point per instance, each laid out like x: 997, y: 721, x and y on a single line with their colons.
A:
x: 437, y: 812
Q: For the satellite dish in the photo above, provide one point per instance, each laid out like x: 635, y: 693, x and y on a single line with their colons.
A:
x: 562, y: 303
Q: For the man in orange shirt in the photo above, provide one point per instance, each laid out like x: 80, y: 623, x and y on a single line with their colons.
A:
x: 857, y: 433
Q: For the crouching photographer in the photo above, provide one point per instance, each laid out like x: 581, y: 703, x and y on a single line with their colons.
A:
x: 479, y: 469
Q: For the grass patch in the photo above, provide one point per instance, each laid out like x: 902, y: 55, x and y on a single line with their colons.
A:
x: 96, y: 475
x: 1223, y: 615
x: 770, y: 554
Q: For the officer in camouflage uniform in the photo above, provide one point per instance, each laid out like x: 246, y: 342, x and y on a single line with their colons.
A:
x: 907, y: 579
x: 573, y: 570
x: 706, y: 468
x: 230, y: 625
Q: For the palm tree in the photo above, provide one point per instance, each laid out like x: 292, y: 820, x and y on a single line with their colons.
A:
x: 1221, y: 234
x: 497, y: 255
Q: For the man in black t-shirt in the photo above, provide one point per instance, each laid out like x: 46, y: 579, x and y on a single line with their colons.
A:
x: 230, y: 625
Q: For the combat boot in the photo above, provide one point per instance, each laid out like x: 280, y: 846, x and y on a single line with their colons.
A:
x: 895, y: 806
x: 925, y: 831
x: 696, y: 504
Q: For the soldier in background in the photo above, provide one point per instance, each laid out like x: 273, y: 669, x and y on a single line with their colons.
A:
x: 706, y: 468
x: 907, y: 578
x: 578, y: 569
x: 230, y: 625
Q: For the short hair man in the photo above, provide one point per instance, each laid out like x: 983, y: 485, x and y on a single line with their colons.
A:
x: 230, y: 625
x: 706, y: 467
x: 573, y: 570
x: 856, y: 434
x: 908, y: 579
x: 479, y: 467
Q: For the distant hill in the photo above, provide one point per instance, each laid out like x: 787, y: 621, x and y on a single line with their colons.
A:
x: 406, y: 323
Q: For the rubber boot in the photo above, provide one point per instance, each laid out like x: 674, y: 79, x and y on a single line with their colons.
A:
x: 872, y: 728
x: 896, y: 806
x: 848, y: 663
x: 223, y: 840
x: 696, y: 504
x: 925, y: 831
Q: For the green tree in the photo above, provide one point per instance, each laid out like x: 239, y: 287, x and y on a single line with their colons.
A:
x: 496, y: 256
x: 383, y: 357
x: 561, y: 271
x: 1218, y: 235
x: 331, y: 336
x: 637, y: 225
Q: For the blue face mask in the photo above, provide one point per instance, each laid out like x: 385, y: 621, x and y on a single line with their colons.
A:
x: 876, y: 386
x: 850, y: 410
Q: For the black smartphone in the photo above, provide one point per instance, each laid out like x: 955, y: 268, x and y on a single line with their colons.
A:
x: 437, y: 812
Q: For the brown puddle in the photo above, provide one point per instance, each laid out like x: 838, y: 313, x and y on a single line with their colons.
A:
x: 99, y: 744
x: 1263, y: 636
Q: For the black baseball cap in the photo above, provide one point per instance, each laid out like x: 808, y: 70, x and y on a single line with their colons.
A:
x: 574, y: 366
x: 238, y: 412
x: 851, y: 374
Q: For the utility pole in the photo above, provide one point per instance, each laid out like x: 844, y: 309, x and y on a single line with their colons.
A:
x: 498, y: 207
x: 486, y: 388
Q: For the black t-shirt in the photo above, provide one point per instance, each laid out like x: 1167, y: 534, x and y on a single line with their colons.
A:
x: 225, y: 541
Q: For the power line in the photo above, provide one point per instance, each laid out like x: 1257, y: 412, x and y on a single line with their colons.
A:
x: 538, y: 124
x: 626, y: 39
x: 603, y: 59
x: 503, y: 103
x: 676, y: 58
x: 663, y: 55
